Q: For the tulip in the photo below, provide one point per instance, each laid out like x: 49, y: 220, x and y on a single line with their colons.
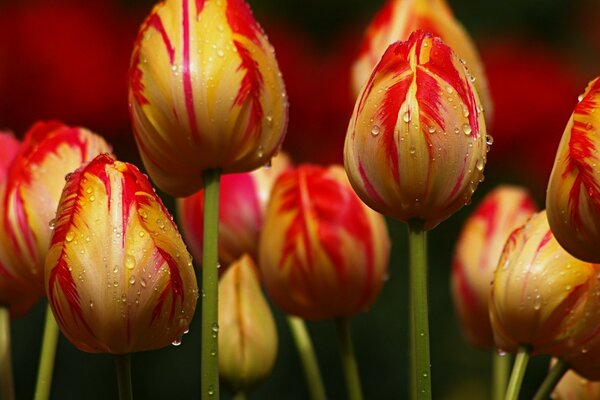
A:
x: 398, y: 19
x: 248, y: 340
x: 118, y: 276
x: 573, y: 198
x: 416, y: 143
x: 14, y: 292
x: 574, y: 387
x: 205, y: 93
x: 243, y: 199
x: 323, y: 253
x: 35, y: 179
x: 476, y: 257
x: 542, y: 297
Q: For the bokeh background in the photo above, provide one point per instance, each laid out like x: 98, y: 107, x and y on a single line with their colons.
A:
x: 68, y: 60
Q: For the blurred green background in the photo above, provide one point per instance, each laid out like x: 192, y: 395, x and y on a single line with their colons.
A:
x: 563, y: 40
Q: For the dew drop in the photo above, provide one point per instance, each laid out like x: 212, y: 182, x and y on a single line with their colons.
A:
x: 449, y: 89
x: 143, y: 283
x: 52, y: 224
x: 480, y: 164
x: 91, y: 304
x: 467, y: 129
x: 70, y: 236
x: 431, y: 129
x: 406, y: 117
x: 211, y: 391
x: 176, y: 342
x: 220, y: 53
x: 412, y: 150
x: 88, y: 190
x: 375, y: 130
x: 132, y: 280
x: 129, y: 261
x: 580, y: 97
x: 489, y: 139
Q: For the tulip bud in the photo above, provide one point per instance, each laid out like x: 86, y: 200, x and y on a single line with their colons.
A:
x: 248, y: 336
x: 574, y: 387
x: 36, y: 177
x: 476, y: 257
x: 416, y: 143
x: 573, y: 198
x: 398, y: 19
x: 243, y: 199
x: 14, y: 292
x: 541, y: 295
x: 323, y: 253
x: 118, y: 276
x: 205, y: 92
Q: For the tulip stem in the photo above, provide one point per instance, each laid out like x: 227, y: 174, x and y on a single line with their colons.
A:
x: 48, y: 353
x: 348, y: 359
x: 419, y: 321
x: 7, y: 388
x: 500, y: 371
x: 123, y: 362
x: 308, y: 358
x: 554, y: 376
x: 209, y: 384
x: 518, y: 372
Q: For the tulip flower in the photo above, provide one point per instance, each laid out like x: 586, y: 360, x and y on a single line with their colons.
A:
x: 398, y: 19
x: 243, y: 199
x: 323, y: 253
x: 416, y: 143
x: 476, y: 257
x: 118, y: 276
x: 35, y: 179
x: 574, y: 387
x: 542, y: 297
x: 205, y: 93
x: 14, y: 291
x: 573, y: 198
x: 248, y: 340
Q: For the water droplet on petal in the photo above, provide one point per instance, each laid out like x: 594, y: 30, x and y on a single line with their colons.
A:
x: 406, y: 117
x: 412, y: 150
x: 176, y: 342
x: 52, y: 224
x: 467, y: 129
x: 70, y: 236
x: 375, y: 130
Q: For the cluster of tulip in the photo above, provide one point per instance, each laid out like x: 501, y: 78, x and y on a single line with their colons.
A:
x: 206, y: 98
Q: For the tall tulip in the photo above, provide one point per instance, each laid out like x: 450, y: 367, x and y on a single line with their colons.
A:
x: 477, y: 253
x: 118, y: 275
x: 416, y: 143
x: 573, y: 198
x: 205, y: 92
x: 243, y: 200
x: 397, y: 19
x: 35, y: 180
x: 248, y: 339
x: 323, y: 253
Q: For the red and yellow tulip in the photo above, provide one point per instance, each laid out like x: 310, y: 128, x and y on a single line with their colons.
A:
x: 243, y: 200
x: 477, y: 253
x: 416, y: 143
x: 323, y: 253
x: 542, y: 296
x: 248, y: 336
x: 205, y: 92
x: 573, y: 198
x: 118, y: 276
x: 14, y: 291
x: 35, y: 180
x: 398, y: 19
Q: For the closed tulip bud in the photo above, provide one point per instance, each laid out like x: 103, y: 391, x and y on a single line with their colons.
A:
x: 476, y: 257
x: 35, y: 180
x: 205, y: 92
x: 323, y: 253
x: 574, y: 387
x: 118, y: 276
x: 243, y: 200
x: 573, y: 198
x: 541, y: 295
x: 14, y: 291
x: 398, y: 19
x: 248, y: 336
x: 416, y: 143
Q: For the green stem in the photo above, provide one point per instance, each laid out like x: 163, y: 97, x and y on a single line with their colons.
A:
x: 348, y: 359
x: 239, y: 396
x: 500, y: 371
x: 554, y: 376
x: 7, y: 388
x: 518, y: 372
x: 48, y: 353
x: 209, y: 365
x: 308, y: 358
x: 419, y: 321
x: 123, y: 362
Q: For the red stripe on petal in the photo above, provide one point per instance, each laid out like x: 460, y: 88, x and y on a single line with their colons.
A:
x: 241, y: 20
x: 369, y: 185
x: 155, y: 22
x: 250, y: 90
x: 187, y: 73
x: 430, y: 101
x: 199, y: 6
x: 173, y: 287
